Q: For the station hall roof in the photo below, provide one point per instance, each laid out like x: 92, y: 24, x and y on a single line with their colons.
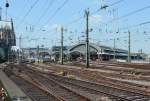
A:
x: 96, y: 47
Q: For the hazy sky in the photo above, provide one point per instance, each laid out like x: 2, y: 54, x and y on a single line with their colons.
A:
x: 39, y: 21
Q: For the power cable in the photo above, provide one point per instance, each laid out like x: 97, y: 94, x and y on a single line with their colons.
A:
x: 113, y: 4
x: 24, y: 17
x: 130, y: 13
x: 78, y: 19
x: 20, y: 13
x: 124, y: 16
x: 133, y: 26
x: 45, y: 12
x: 104, y: 7
x: 57, y: 10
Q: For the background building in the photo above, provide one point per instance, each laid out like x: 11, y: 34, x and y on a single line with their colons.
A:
x: 7, y: 39
x: 99, y: 52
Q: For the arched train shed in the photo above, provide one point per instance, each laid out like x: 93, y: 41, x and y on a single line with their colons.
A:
x: 96, y: 52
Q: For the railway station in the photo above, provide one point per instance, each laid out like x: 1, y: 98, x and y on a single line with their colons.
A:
x: 74, y: 50
x: 101, y: 52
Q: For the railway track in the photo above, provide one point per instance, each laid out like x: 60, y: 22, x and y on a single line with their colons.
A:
x: 84, y: 88
x: 144, y: 68
x: 125, y: 65
x: 34, y: 92
x: 111, y: 91
x: 89, y: 94
x: 100, y: 89
x: 52, y: 86
x: 56, y: 88
x: 125, y: 85
x: 103, y: 77
x: 128, y: 69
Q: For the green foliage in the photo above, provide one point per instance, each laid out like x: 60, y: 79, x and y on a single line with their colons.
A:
x: 8, y: 97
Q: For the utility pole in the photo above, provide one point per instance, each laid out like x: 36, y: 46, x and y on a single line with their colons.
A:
x: 8, y: 46
x: 62, y: 40
x: 114, y: 49
x: 129, y: 47
x: 8, y: 53
x: 87, y: 13
x: 20, y: 38
x: 38, y: 53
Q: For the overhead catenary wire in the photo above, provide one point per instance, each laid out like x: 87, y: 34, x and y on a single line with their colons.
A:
x: 45, y: 12
x: 132, y: 26
x: 130, y: 13
x: 57, y: 10
x: 119, y: 18
x: 110, y: 5
x: 30, y: 9
x: 20, y: 13
x: 78, y: 19
x: 126, y: 28
x: 127, y: 16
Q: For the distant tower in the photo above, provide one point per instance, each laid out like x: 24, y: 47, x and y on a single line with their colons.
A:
x: 13, y: 41
x: 12, y: 25
x: 0, y: 13
x: 6, y: 5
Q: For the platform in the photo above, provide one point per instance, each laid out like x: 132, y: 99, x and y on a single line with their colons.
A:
x: 12, y: 89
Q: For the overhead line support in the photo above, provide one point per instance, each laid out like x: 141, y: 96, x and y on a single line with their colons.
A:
x: 87, y: 13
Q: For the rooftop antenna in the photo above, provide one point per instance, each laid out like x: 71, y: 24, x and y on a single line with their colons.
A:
x: 6, y: 5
